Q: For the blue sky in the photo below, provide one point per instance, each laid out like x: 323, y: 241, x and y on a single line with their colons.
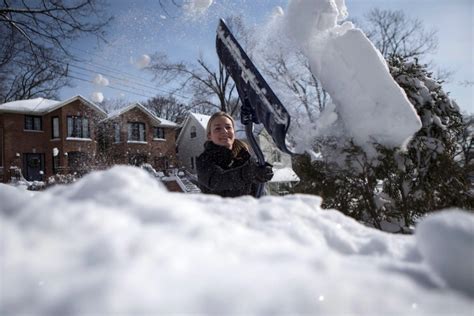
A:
x: 141, y: 27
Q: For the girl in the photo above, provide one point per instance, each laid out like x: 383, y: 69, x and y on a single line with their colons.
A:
x: 225, y: 167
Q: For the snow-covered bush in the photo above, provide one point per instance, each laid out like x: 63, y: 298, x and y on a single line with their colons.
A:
x: 394, y: 189
x: 429, y: 171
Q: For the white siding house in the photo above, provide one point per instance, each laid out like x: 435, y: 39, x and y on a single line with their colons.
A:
x: 284, y: 177
x: 190, y: 142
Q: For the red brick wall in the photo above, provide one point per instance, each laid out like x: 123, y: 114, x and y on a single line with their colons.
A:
x: 17, y: 141
x: 66, y: 145
x: 119, y: 153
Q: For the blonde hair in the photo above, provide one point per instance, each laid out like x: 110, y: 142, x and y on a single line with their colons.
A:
x: 238, y: 144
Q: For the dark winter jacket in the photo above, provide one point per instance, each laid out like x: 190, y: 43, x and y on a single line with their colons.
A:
x: 224, y: 173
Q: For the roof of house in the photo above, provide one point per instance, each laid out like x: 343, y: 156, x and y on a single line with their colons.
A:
x: 201, y: 119
x: 44, y: 106
x: 28, y: 106
x: 160, y: 121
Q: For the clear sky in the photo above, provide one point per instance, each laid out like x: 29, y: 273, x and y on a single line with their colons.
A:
x: 142, y: 28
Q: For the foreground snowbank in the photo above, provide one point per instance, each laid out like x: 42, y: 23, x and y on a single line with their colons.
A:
x: 446, y: 241
x: 116, y: 242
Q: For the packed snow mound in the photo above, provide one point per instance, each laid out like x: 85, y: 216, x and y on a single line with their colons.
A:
x: 369, y: 104
x: 446, y: 241
x: 117, y: 243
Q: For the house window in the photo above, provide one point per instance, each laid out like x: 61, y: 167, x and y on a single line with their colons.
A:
x: 116, y: 132
x: 193, y: 131
x: 192, y: 163
x: 136, y: 132
x: 158, y: 132
x: 55, y: 164
x: 78, y: 127
x: 55, y: 125
x: 33, y: 123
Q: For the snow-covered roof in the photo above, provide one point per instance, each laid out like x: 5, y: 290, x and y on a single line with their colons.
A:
x: 37, y: 105
x: 43, y: 106
x: 200, y: 118
x: 284, y: 175
x: 165, y: 122
x: 160, y: 121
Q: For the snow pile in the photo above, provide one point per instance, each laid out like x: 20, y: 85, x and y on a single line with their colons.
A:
x: 446, y: 240
x: 369, y: 106
x: 117, y: 243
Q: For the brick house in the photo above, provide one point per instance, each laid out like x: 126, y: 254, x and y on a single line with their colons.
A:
x: 134, y: 135
x: 43, y: 137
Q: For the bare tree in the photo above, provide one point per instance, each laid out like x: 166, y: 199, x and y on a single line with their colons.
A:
x: 293, y: 74
x: 113, y: 105
x: 202, y: 83
x: 168, y: 108
x: 49, y: 23
x: 207, y: 85
x: 393, y: 33
x: 24, y: 79
x: 35, y: 38
x: 199, y: 82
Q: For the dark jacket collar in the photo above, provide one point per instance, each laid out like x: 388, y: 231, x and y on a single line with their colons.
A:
x: 209, y: 145
x: 223, y: 156
x: 219, y: 154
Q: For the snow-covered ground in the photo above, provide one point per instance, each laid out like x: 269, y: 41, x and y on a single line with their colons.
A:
x: 117, y: 243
